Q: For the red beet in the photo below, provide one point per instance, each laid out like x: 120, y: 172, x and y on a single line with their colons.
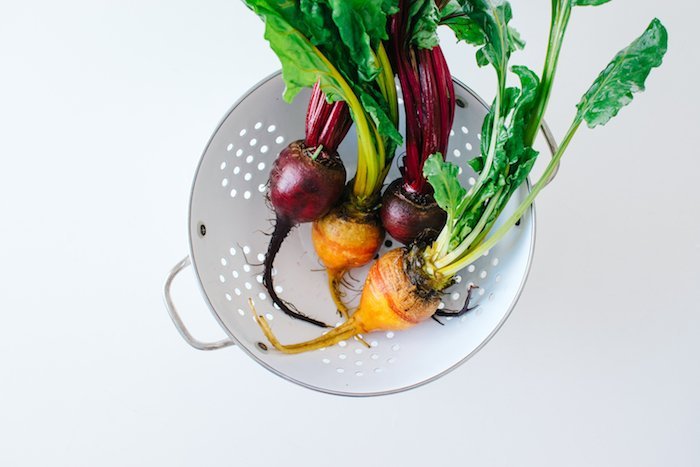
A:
x: 302, y: 189
x: 409, y: 216
x: 409, y: 212
x: 306, y: 181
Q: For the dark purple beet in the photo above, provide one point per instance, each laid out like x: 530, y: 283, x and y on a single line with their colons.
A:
x: 303, y: 188
x: 410, y: 216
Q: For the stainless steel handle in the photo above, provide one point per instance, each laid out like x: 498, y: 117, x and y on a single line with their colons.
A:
x: 553, y: 147
x: 177, y: 321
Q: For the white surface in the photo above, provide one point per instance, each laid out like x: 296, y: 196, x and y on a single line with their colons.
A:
x: 104, y: 110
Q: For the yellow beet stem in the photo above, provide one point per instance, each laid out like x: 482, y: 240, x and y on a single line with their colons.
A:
x: 343, y: 332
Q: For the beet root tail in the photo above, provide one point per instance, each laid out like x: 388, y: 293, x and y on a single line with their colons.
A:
x: 343, y: 332
x: 335, y: 278
x: 282, y: 228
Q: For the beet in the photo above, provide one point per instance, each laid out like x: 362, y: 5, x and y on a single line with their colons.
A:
x: 409, y: 216
x: 305, y: 183
x: 302, y: 188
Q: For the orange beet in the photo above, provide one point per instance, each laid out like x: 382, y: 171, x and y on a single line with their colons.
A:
x: 390, y: 302
x: 345, y: 241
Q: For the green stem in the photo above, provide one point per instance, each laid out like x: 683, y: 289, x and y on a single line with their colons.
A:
x: 561, y: 13
x: 473, y: 235
x: 366, y: 151
x: 390, y: 85
x: 371, y: 166
x: 314, y: 156
x: 481, y: 248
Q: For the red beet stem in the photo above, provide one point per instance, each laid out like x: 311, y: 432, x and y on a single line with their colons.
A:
x: 326, y: 124
x: 429, y: 100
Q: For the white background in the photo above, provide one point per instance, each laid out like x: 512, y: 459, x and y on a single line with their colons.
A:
x: 105, y: 108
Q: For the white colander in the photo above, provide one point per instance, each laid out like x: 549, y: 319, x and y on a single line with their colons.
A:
x: 228, y: 217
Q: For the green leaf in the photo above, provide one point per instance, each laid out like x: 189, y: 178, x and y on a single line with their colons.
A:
x: 318, y: 16
x: 381, y: 119
x: 500, y: 40
x: 453, y: 16
x: 362, y: 24
x: 444, y: 178
x: 589, y: 2
x: 301, y: 65
x: 625, y: 75
x: 424, y: 17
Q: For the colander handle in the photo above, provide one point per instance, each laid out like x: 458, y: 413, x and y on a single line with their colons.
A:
x: 177, y: 321
x: 553, y: 147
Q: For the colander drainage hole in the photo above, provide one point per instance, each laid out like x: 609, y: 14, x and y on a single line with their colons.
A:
x: 262, y: 346
x: 202, y: 230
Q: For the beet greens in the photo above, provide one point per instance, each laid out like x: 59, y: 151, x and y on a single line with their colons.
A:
x: 507, y: 155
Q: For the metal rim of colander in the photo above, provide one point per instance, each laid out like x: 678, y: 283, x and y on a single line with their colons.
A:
x: 552, y: 146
